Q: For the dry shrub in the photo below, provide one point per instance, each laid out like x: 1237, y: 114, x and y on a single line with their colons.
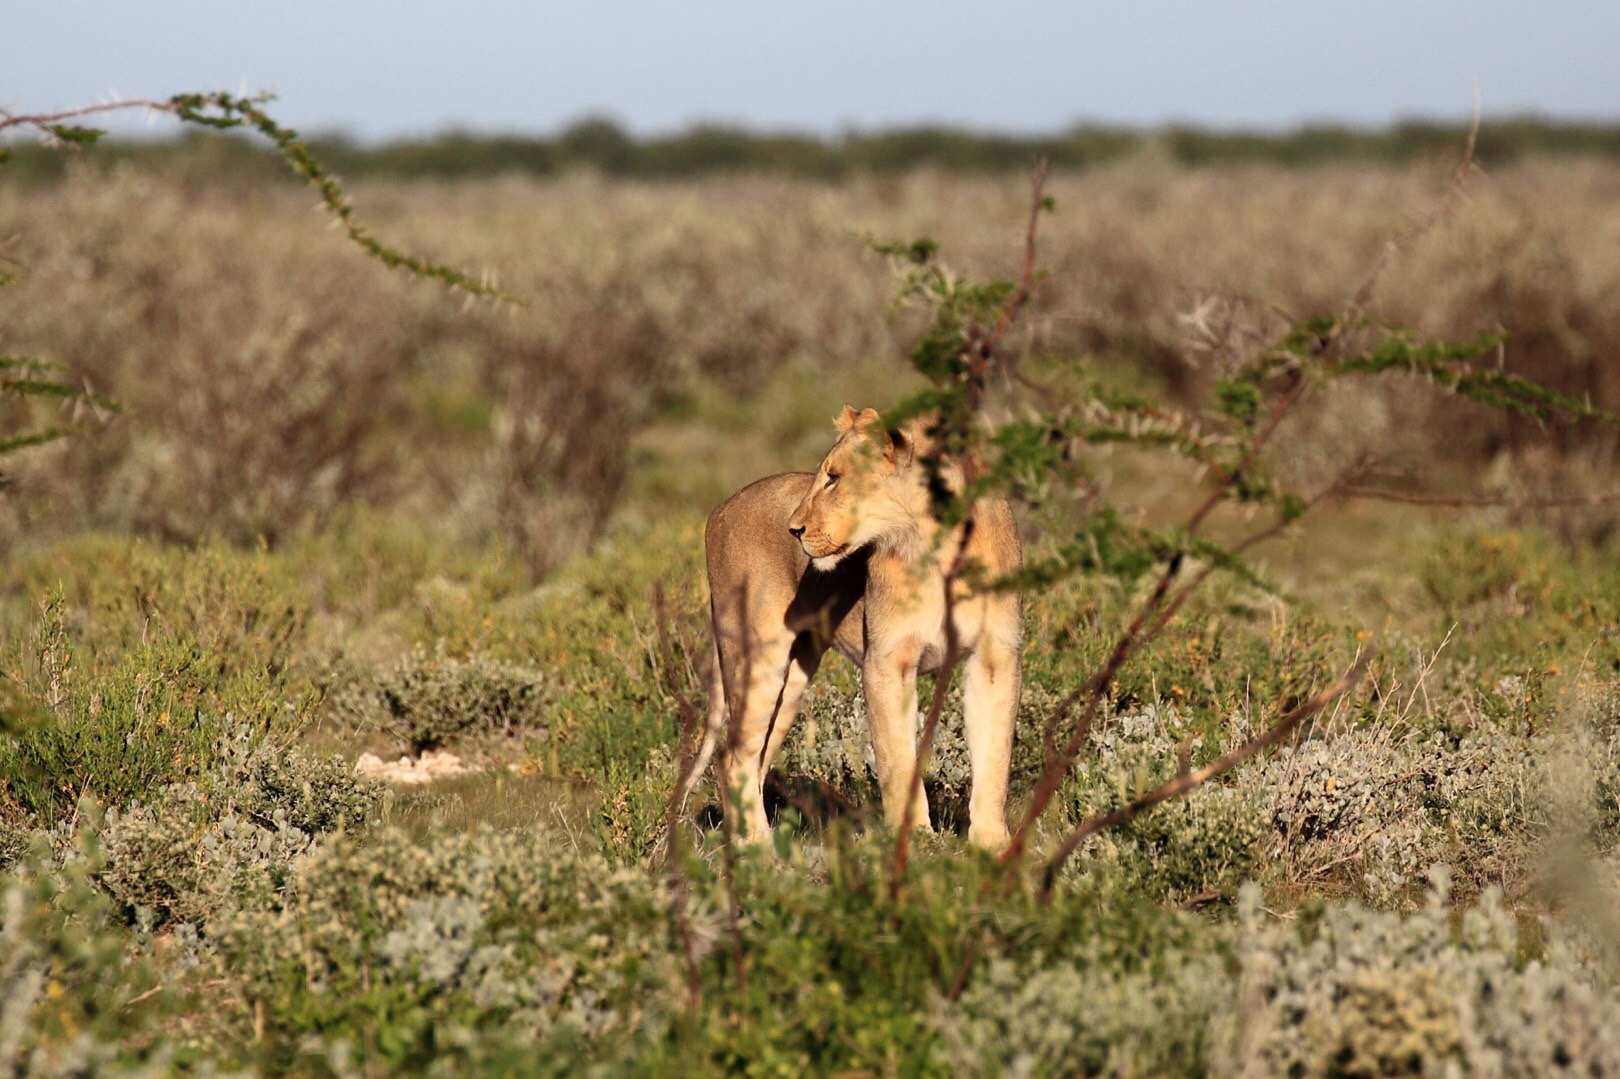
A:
x: 271, y: 376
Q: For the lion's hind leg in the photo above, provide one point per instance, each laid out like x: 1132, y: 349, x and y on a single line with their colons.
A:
x: 765, y: 684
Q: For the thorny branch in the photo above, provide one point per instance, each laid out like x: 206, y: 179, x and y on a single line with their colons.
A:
x: 221, y: 110
x: 942, y: 684
x: 46, y: 122
x: 691, y: 734
x: 1187, y: 779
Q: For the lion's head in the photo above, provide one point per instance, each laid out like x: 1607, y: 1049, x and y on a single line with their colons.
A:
x: 868, y: 489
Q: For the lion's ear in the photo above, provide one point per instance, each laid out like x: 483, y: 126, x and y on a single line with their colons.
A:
x: 849, y: 419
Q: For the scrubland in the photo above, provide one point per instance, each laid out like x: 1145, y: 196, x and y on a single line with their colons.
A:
x: 339, y: 512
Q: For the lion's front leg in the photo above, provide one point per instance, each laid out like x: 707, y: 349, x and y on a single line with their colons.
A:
x: 889, y: 682
x: 989, y: 711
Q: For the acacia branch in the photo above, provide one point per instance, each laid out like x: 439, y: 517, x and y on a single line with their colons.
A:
x: 1187, y: 780
x: 221, y: 110
x: 1092, y: 693
x: 43, y: 122
x: 1141, y: 631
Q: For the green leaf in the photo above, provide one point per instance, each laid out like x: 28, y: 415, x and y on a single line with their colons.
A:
x: 37, y: 387
x: 1238, y: 398
x: 79, y: 136
x: 36, y: 438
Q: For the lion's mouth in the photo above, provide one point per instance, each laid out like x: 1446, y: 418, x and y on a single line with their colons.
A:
x: 830, y: 552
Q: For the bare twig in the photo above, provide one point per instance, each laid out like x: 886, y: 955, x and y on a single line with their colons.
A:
x: 925, y: 742
x: 691, y: 733
x: 1400, y: 243
x: 982, y: 348
x: 43, y: 122
x: 1092, y: 693
x: 1379, y: 494
x: 728, y: 849
x: 1026, y: 279
x: 1187, y: 780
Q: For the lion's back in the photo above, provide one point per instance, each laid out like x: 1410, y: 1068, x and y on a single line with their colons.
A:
x: 746, y: 535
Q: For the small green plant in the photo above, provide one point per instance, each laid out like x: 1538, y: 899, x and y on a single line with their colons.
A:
x: 199, y: 848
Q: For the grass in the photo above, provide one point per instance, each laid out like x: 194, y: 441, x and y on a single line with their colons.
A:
x: 592, y: 773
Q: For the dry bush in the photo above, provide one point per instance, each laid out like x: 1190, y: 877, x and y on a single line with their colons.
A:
x: 271, y: 377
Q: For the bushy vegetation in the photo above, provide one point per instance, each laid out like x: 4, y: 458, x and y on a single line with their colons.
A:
x: 269, y: 382
x: 602, y: 144
x: 335, y: 514
x: 298, y: 920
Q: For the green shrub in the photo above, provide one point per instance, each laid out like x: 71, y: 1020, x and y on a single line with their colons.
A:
x: 1341, y: 990
x: 179, y: 860
x: 288, y: 786
x: 75, y: 997
x: 198, y: 849
x: 150, y: 662
x: 410, y: 950
x: 1068, y: 1016
x: 1356, y: 992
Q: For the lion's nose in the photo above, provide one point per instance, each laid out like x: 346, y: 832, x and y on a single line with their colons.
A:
x: 796, y: 530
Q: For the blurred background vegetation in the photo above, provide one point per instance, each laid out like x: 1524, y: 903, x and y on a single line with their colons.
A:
x: 683, y: 333
x: 601, y: 143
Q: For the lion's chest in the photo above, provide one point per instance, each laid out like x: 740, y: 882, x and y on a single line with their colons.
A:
x: 909, y: 621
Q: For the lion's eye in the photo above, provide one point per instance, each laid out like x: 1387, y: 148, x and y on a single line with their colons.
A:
x: 832, y: 478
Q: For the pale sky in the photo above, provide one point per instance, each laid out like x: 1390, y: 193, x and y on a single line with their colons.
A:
x: 382, y: 69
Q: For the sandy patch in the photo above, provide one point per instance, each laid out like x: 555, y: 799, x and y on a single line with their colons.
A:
x: 411, y: 771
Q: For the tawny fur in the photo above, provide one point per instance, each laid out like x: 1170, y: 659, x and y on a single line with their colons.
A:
x: 849, y: 557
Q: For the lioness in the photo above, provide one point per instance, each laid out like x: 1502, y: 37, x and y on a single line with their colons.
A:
x: 846, y: 557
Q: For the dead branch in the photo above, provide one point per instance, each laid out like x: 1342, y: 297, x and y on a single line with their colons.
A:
x: 1092, y: 693
x: 1402, y: 242
x: 691, y: 733
x: 1187, y: 780
x: 925, y: 742
x: 43, y: 122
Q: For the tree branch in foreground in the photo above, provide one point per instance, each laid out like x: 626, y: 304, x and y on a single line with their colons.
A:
x: 221, y: 110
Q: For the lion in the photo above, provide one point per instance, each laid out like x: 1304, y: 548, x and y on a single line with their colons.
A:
x: 851, y: 557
